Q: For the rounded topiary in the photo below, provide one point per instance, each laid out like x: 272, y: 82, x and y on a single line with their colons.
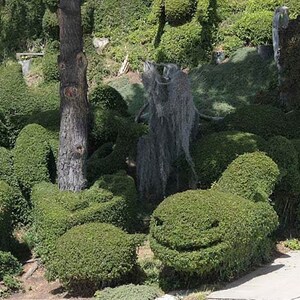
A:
x: 283, y: 152
x: 213, y: 153
x: 208, y: 231
x: 264, y: 120
x: 31, y: 156
x: 252, y: 176
x: 93, y: 255
x: 107, y: 97
x: 179, y: 11
x: 130, y: 291
x: 9, y: 265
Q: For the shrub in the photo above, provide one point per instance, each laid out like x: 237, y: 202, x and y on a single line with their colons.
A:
x: 50, y: 67
x: 130, y: 291
x: 6, y: 195
x: 50, y: 25
x: 93, y: 255
x: 31, y: 156
x: 255, y: 28
x: 293, y: 125
x: 181, y: 45
x: 206, y: 231
x: 107, y: 97
x: 179, y: 12
x: 9, y: 265
x: 283, y: 152
x: 264, y: 120
x: 252, y: 176
x: 112, y: 199
x: 213, y: 153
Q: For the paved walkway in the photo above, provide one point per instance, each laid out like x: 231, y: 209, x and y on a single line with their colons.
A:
x: 277, y: 281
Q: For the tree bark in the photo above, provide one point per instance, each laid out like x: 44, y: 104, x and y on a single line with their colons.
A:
x: 73, y: 93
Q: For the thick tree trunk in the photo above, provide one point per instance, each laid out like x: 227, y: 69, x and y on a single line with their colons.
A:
x: 73, y: 92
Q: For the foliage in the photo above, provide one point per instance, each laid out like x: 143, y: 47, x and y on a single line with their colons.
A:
x: 181, y: 45
x: 6, y: 196
x: 293, y: 244
x: 252, y: 176
x: 209, y: 232
x: 213, y: 153
x: 9, y: 265
x: 112, y: 199
x: 263, y: 120
x: 179, y: 11
x: 283, y: 152
x: 12, y: 283
x: 50, y: 67
x: 77, y: 264
x: 130, y: 291
x: 32, y: 155
x: 50, y: 25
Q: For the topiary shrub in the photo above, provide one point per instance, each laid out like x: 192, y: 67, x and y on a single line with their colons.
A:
x: 252, y: 176
x: 92, y: 256
x: 181, y: 45
x: 6, y: 196
x: 283, y: 152
x: 107, y: 97
x: 31, y: 156
x: 213, y: 153
x: 130, y: 291
x: 207, y: 232
x: 178, y: 12
x: 264, y: 120
x: 9, y: 265
x: 112, y: 199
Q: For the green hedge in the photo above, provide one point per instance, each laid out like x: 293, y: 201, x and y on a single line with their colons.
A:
x: 130, y: 291
x: 252, y: 176
x: 209, y: 232
x: 50, y: 67
x: 213, y: 153
x: 264, y: 120
x: 31, y: 156
x: 112, y: 199
x: 6, y: 197
x: 92, y: 256
x: 179, y: 11
x: 9, y: 265
x: 283, y: 152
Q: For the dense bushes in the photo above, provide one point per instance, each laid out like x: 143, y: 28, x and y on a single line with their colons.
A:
x: 204, y: 232
x: 179, y: 11
x: 93, y: 255
x: 213, y: 153
x: 130, y: 291
x: 32, y: 154
x: 6, y: 196
x: 112, y: 199
x: 9, y: 265
x: 251, y: 176
x: 50, y: 67
x: 264, y: 120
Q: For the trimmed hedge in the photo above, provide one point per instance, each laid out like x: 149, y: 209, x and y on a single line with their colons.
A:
x: 31, y: 156
x: 264, y: 120
x: 6, y: 196
x: 93, y: 255
x: 9, y: 265
x: 213, y: 153
x: 50, y: 67
x: 130, y: 291
x: 283, y: 152
x: 209, y: 232
x: 179, y: 12
x: 112, y: 199
x: 252, y: 176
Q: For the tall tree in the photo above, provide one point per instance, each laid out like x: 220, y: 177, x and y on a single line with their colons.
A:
x: 73, y: 92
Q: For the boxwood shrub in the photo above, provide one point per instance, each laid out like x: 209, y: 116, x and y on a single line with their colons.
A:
x: 264, y: 120
x: 92, y: 256
x: 112, y: 199
x: 207, y: 232
x: 252, y: 176
x: 31, y: 156
x: 9, y: 265
x: 213, y: 153
x: 129, y: 291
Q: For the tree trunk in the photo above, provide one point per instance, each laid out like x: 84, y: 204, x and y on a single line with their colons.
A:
x: 73, y: 93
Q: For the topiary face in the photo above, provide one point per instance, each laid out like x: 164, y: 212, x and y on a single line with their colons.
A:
x: 207, y: 231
